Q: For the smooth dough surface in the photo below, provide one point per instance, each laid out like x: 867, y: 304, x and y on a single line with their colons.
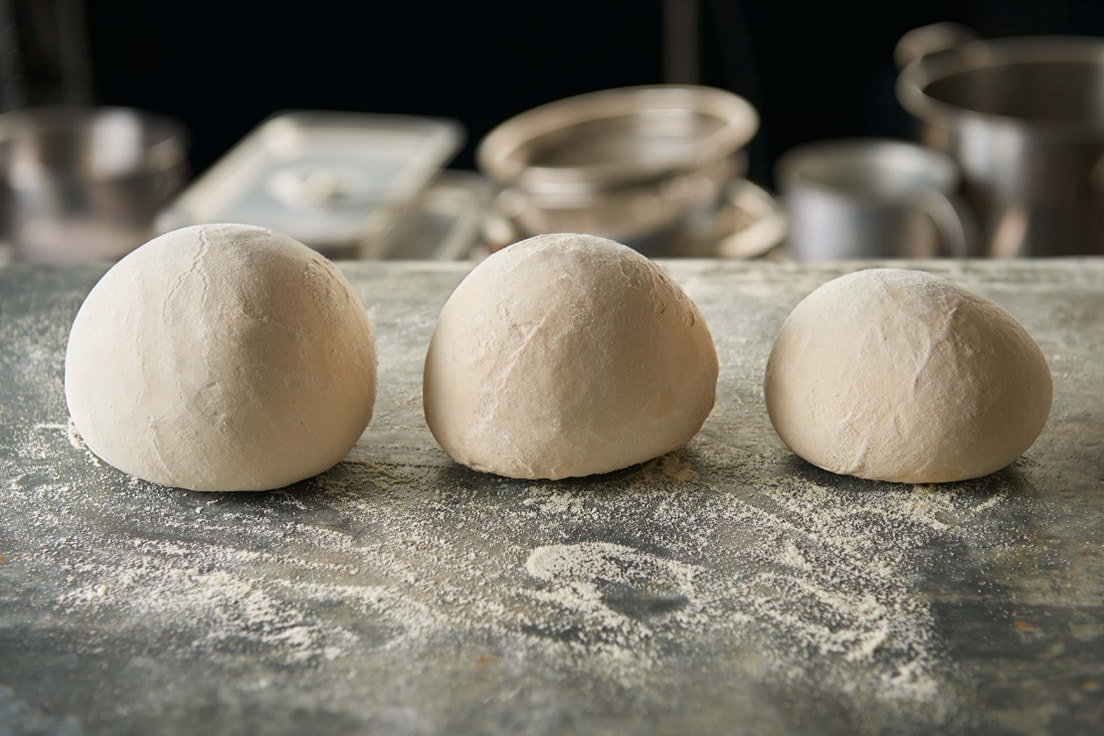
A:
x: 567, y: 355
x: 901, y: 375
x: 221, y: 357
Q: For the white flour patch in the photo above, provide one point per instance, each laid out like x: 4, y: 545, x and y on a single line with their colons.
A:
x: 817, y: 583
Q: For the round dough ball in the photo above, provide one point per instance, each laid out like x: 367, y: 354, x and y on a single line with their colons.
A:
x: 567, y: 355
x: 221, y: 357
x: 900, y: 375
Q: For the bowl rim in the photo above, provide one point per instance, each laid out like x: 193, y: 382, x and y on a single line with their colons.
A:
x: 915, y: 80
x: 165, y: 139
x: 503, y: 153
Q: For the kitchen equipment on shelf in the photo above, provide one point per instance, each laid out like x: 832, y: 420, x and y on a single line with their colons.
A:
x: 445, y: 222
x: 84, y: 183
x: 872, y: 198
x: 333, y: 180
x: 1024, y: 118
x: 652, y: 166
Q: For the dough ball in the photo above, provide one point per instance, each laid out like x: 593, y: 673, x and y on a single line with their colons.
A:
x: 900, y: 375
x: 567, y: 355
x: 221, y: 357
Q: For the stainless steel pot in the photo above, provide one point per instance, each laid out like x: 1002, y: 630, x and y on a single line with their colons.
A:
x: 1024, y: 119
x: 643, y: 165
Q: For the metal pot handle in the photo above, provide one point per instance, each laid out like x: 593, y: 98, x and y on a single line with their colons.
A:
x: 769, y: 226
x: 928, y: 39
x: 953, y: 222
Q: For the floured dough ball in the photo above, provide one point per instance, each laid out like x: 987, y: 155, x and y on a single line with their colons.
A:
x: 901, y: 375
x: 221, y: 357
x: 567, y: 355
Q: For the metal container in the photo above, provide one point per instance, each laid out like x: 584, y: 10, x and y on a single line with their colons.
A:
x: 637, y: 164
x: 333, y: 180
x: 85, y: 183
x: 1024, y: 119
x: 748, y: 222
x: 872, y: 198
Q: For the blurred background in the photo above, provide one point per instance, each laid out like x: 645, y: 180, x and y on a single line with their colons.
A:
x: 812, y: 71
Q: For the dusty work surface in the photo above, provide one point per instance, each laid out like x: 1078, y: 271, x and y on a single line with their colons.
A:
x: 727, y: 588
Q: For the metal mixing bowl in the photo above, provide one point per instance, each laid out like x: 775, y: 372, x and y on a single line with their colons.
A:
x: 85, y: 183
x: 636, y: 164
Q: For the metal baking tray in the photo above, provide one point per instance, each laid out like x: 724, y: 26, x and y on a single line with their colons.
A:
x: 333, y: 180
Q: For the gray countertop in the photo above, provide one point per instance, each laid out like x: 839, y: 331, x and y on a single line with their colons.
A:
x: 727, y: 588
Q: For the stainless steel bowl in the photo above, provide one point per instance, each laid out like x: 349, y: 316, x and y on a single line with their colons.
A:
x: 637, y: 164
x: 85, y: 183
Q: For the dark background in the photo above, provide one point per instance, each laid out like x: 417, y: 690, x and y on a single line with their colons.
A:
x: 812, y: 69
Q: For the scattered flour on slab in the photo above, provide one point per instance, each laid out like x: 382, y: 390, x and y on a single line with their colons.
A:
x: 607, y: 577
x: 689, y: 558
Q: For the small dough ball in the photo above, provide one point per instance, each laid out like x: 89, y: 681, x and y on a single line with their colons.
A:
x: 900, y: 375
x: 221, y: 357
x: 567, y: 355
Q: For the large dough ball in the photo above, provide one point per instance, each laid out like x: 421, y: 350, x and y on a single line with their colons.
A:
x: 567, y: 355
x: 221, y: 357
x: 901, y: 375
